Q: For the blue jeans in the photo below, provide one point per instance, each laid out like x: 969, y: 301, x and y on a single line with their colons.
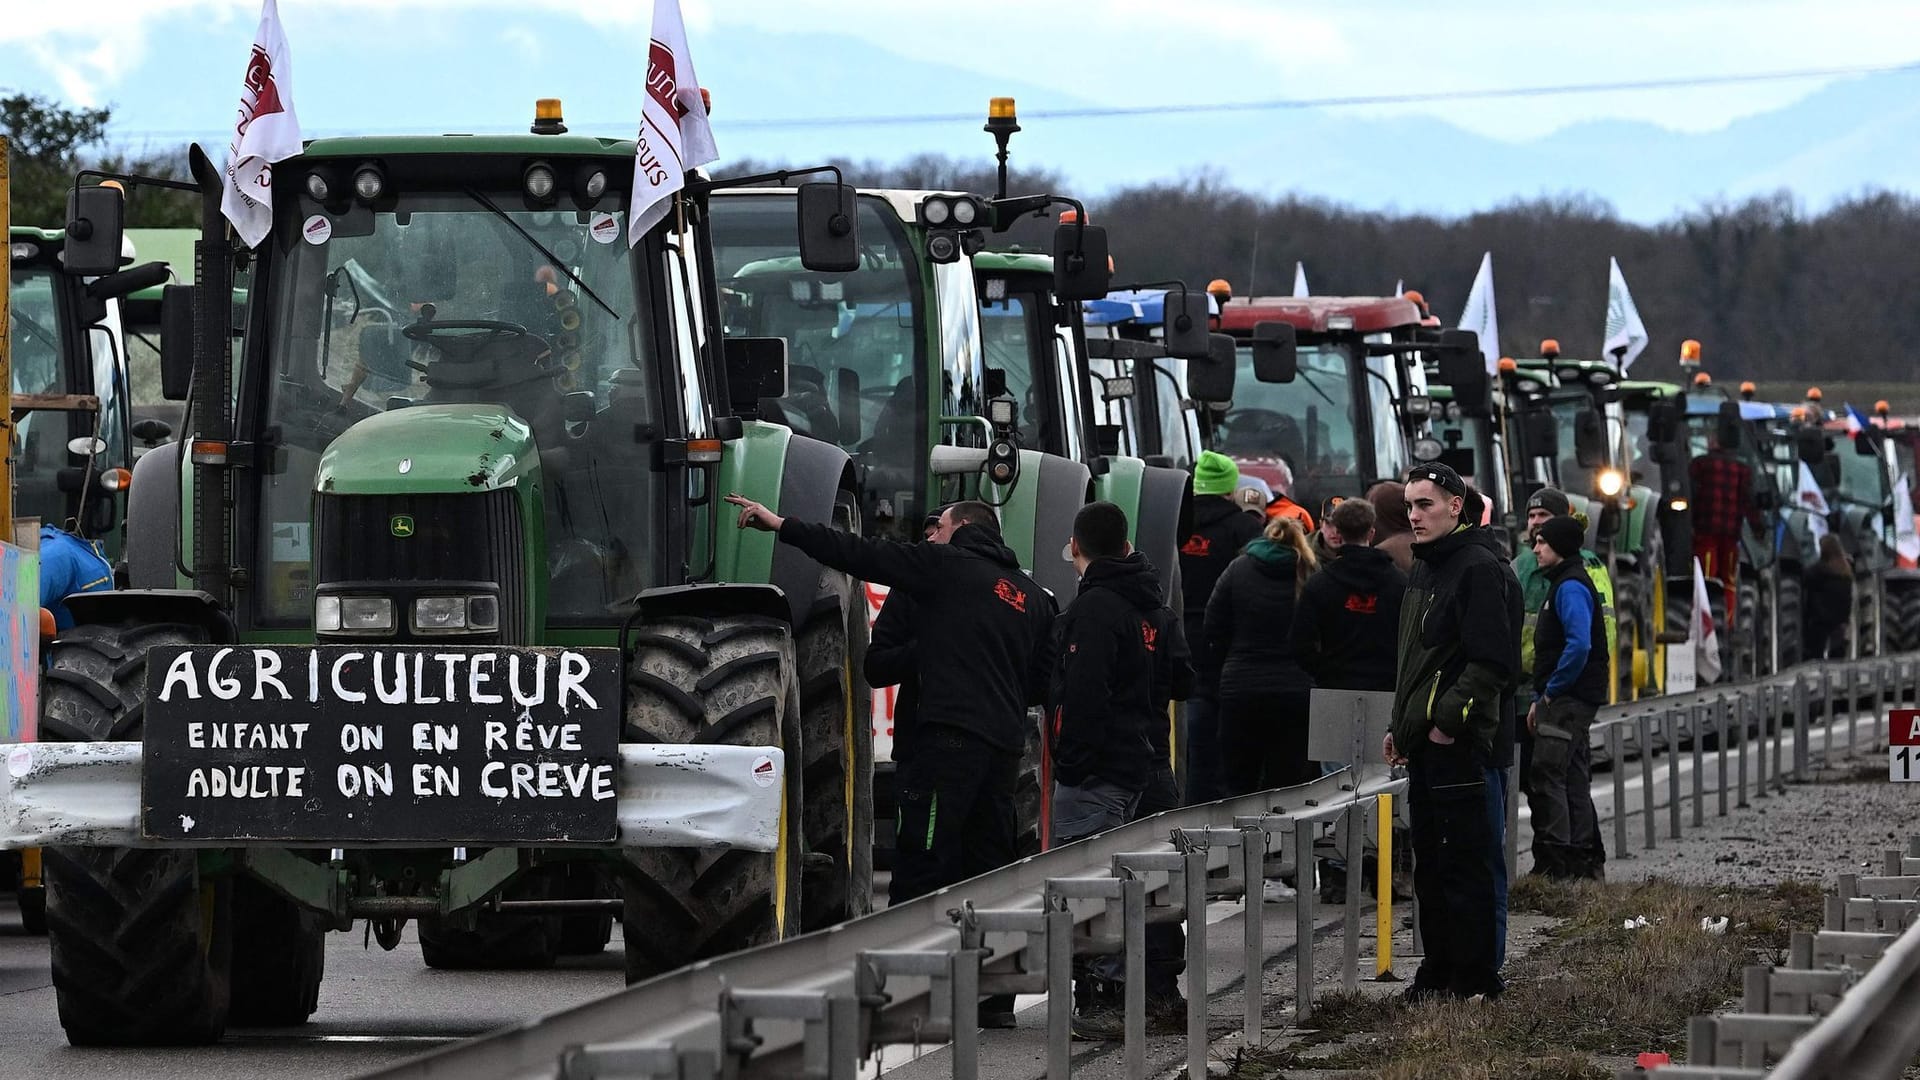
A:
x: 1497, y: 817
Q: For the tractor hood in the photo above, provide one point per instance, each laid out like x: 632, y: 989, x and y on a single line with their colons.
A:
x: 430, y: 448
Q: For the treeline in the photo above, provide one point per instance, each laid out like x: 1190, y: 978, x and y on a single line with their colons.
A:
x: 1771, y: 291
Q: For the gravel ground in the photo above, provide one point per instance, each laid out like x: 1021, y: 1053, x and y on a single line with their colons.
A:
x: 1840, y: 822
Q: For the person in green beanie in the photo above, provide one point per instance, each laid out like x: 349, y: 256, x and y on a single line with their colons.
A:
x: 1221, y: 528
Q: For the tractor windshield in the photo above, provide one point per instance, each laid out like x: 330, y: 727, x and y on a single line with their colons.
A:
x: 1307, y: 423
x: 853, y: 341
x: 40, y: 437
x: 445, y: 299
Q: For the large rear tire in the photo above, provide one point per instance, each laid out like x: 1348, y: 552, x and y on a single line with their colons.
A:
x: 139, y: 943
x: 722, y: 680
x: 279, y: 958
x: 1787, y: 607
x: 496, y: 941
x: 836, y: 715
x: 1903, y: 615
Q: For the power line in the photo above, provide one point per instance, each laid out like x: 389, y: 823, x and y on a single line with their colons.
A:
x: 1218, y: 107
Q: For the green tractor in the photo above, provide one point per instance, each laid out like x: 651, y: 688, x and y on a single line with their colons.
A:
x: 946, y: 371
x: 435, y: 614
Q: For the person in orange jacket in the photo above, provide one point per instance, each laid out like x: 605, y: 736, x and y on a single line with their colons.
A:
x: 1283, y: 504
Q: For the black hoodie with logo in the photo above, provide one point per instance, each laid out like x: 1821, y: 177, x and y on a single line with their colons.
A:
x: 1346, y: 627
x: 1221, y: 530
x: 1459, y: 646
x: 981, y: 626
x: 1107, y: 672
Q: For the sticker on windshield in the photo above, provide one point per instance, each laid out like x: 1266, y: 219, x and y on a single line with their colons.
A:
x: 604, y: 229
x: 318, y: 230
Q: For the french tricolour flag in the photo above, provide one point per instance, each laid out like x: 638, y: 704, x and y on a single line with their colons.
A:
x: 1856, y: 421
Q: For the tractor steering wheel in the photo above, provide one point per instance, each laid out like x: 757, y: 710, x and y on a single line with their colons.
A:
x: 474, y: 331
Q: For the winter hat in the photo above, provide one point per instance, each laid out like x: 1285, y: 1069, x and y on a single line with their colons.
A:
x: 1215, y: 474
x: 1552, y: 500
x: 1563, y: 535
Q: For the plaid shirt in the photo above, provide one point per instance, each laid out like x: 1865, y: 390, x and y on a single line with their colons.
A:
x: 1722, y: 495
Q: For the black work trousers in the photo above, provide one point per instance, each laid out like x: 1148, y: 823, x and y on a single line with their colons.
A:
x: 1263, y: 741
x: 1166, y: 942
x: 956, y: 819
x: 1206, y: 772
x: 1453, y: 848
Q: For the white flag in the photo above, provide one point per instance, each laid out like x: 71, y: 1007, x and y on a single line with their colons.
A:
x: 1810, y: 498
x: 1479, y: 316
x: 1906, y: 536
x: 1300, y: 280
x: 1703, y: 634
x: 1400, y: 287
x: 1626, y: 334
x: 674, y: 133
x: 267, y: 131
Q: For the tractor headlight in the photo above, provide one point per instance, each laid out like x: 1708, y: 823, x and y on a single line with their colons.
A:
x: 367, y: 183
x: 965, y: 211
x: 317, y: 187
x: 1610, y: 482
x: 431, y: 613
x: 539, y: 182
x: 351, y: 614
x: 937, y: 211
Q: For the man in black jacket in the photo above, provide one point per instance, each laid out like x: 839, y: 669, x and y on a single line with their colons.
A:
x: 1221, y: 528
x: 1452, y: 713
x: 1104, y: 704
x: 1349, y: 613
x: 891, y: 659
x: 981, y: 627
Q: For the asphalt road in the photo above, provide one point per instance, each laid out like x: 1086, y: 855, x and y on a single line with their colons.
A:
x: 375, y: 1007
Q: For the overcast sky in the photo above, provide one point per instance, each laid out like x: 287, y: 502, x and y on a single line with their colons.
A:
x: 1109, y: 52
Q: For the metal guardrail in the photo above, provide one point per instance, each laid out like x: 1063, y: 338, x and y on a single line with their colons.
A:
x: 1841, y: 1008
x: 817, y: 1005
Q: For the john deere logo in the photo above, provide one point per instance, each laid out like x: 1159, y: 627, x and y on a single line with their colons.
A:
x: 401, y: 525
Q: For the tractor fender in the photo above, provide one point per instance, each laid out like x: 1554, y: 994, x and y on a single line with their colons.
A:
x: 811, y: 479
x: 714, y: 600
x: 153, y: 519
x: 150, y: 606
x: 1166, y: 518
x: 1059, y: 488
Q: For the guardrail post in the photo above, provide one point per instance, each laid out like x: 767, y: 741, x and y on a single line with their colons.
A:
x: 1853, y: 709
x: 1060, y: 989
x: 1763, y: 699
x: 1355, y: 853
x: 1830, y: 711
x: 1697, y: 735
x: 1306, y: 896
x: 1834, y: 913
x: 832, y: 1024
x: 1671, y: 724
x: 1253, y: 845
x: 1644, y: 731
x: 1803, y: 723
x: 1743, y: 708
x: 1196, y: 888
x: 1703, y: 1037
x: 1781, y: 703
x: 1723, y: 708
x: 1618, y: 754
x: 1133, y: 932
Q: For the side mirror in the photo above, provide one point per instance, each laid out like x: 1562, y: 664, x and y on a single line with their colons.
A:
x: 127, y: 282
x: 1542, y: 434
x: 1727, y: 429
x: 1589, y: 439
x: 1211, y: 379
x: 1276, y: 352
x: 96, y: 223
x: 176, y: 342
x: 1106, y: 439
x: 1663, y: 422
x: 756, y: 368
x: 1187, y: 337
x: 828, y: 242
x: 1081, y: 269
x: 152, y: 431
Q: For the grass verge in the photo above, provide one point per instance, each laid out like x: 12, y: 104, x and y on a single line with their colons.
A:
x: 1593, y: 994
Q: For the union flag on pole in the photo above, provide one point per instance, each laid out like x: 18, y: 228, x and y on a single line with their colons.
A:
x: 674, y: 133
x: 266, y: 131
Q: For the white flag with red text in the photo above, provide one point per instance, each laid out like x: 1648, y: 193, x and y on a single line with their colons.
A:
x: 1704, y: 636
x: 674, y: 133
x: 265, y: 132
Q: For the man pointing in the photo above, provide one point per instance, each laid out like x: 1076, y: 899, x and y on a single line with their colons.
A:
x: 981, y: 628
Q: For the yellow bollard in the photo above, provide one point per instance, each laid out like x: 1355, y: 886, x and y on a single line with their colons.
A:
x: 1383, y: 884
